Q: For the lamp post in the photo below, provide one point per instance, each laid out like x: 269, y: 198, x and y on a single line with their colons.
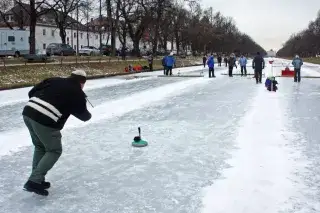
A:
x: 100, y: 24
x: 77, y: 28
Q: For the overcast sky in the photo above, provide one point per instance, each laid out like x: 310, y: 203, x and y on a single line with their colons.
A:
x: 268, y: 22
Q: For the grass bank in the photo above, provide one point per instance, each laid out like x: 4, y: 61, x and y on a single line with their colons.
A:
x: 313, y: 60
x: 12, y: 77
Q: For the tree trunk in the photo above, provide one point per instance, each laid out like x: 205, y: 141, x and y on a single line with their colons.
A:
x: 172, y: 41
x: 165, y: 42
x: 124, y: 44
x: 88, y: 39
x: 113, y: 40
x: 122, y: 33
x: 87, y: 17
x: 136, y: 48
x: 32, y: 25
x: 111, y: 27
x: 177, y: 40
x: 155, y: 39
x: 62, y: 33
x: 115, y: 25
x: 157, y: 31
x: 108, y: 37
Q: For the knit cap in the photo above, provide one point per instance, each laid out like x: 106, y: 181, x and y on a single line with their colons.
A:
x: 79, y: 75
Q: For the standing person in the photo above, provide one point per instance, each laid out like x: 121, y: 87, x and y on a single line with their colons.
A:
x: 204, y: 60
x: 258, y: 64
x: 226, y: 60
x: 150, y: 62
x: 297, y: 63
x: 51, y: 103
x: 231, y: 62
x: 164, y: 64
x: 211, y: 66
x: 243, y: 64
x: 170, y: 61
x: 219, y: 60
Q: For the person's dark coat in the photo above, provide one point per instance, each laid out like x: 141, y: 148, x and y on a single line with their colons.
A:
x: 232, y: 61
x: 258, y: 63
x: 53, y: 100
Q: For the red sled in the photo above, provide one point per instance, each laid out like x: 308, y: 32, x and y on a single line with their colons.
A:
x: 287, y: 73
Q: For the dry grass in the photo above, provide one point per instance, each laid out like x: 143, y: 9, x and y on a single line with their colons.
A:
x: 21, y: 76
x: 312, y: 60
x: 66, y: 59
x: 70, y: 59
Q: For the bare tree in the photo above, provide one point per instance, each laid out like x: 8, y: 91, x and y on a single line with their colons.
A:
x: 61, y: 10
x: 305, y: 43
x: 113, y: 21
x: 138, y: 16
x: 5, y: 6
x: 34, y: 10
x: 87, y: 6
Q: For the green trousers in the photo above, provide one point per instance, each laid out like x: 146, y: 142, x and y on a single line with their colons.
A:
x: 47, y: 148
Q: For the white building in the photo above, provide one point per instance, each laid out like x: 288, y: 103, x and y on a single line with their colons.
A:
x: 50, y: 34
x: 47, y: 32
x: 271, y: 53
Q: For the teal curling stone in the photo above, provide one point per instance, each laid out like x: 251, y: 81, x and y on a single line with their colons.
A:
x: 138, y: 142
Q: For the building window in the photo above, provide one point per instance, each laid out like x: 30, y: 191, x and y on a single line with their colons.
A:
x: 52, y: 33
x: 44, y: 32
x: 81, y: 34
x: 75, y: 47
x: 74, y: 35
x: 103, y: 36
x: 11, y: 38
x: 96, y: 36
x: 44, y: 46
x: 67, y: 40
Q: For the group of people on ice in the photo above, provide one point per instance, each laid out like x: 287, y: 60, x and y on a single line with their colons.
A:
x: 258, y: 64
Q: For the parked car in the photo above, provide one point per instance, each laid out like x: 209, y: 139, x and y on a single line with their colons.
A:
x: 89, y: 50
x: 60, y: 49
x: 105, y: 49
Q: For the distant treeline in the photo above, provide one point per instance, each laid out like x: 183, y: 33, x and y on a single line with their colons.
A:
x: 305, y: 43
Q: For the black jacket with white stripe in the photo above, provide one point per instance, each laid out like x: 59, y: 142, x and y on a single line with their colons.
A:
x: 53, y: 100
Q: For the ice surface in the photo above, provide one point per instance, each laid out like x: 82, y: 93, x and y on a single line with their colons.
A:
x: 215, y: 145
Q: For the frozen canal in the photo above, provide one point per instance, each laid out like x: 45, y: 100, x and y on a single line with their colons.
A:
x: 223, y: 145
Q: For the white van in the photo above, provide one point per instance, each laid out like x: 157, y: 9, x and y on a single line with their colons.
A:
x: 14, y: 42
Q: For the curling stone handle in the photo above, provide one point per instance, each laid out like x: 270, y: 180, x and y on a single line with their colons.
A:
x: 139, y: 130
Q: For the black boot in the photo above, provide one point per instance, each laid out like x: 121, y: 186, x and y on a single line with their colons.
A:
x: 46, y: 185
x: 36, y: 188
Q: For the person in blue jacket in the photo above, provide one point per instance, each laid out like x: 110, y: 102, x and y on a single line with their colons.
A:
x: 170, y: 62
x: 243, y: 65
x: 297, y: 63
x: 210, y: 63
